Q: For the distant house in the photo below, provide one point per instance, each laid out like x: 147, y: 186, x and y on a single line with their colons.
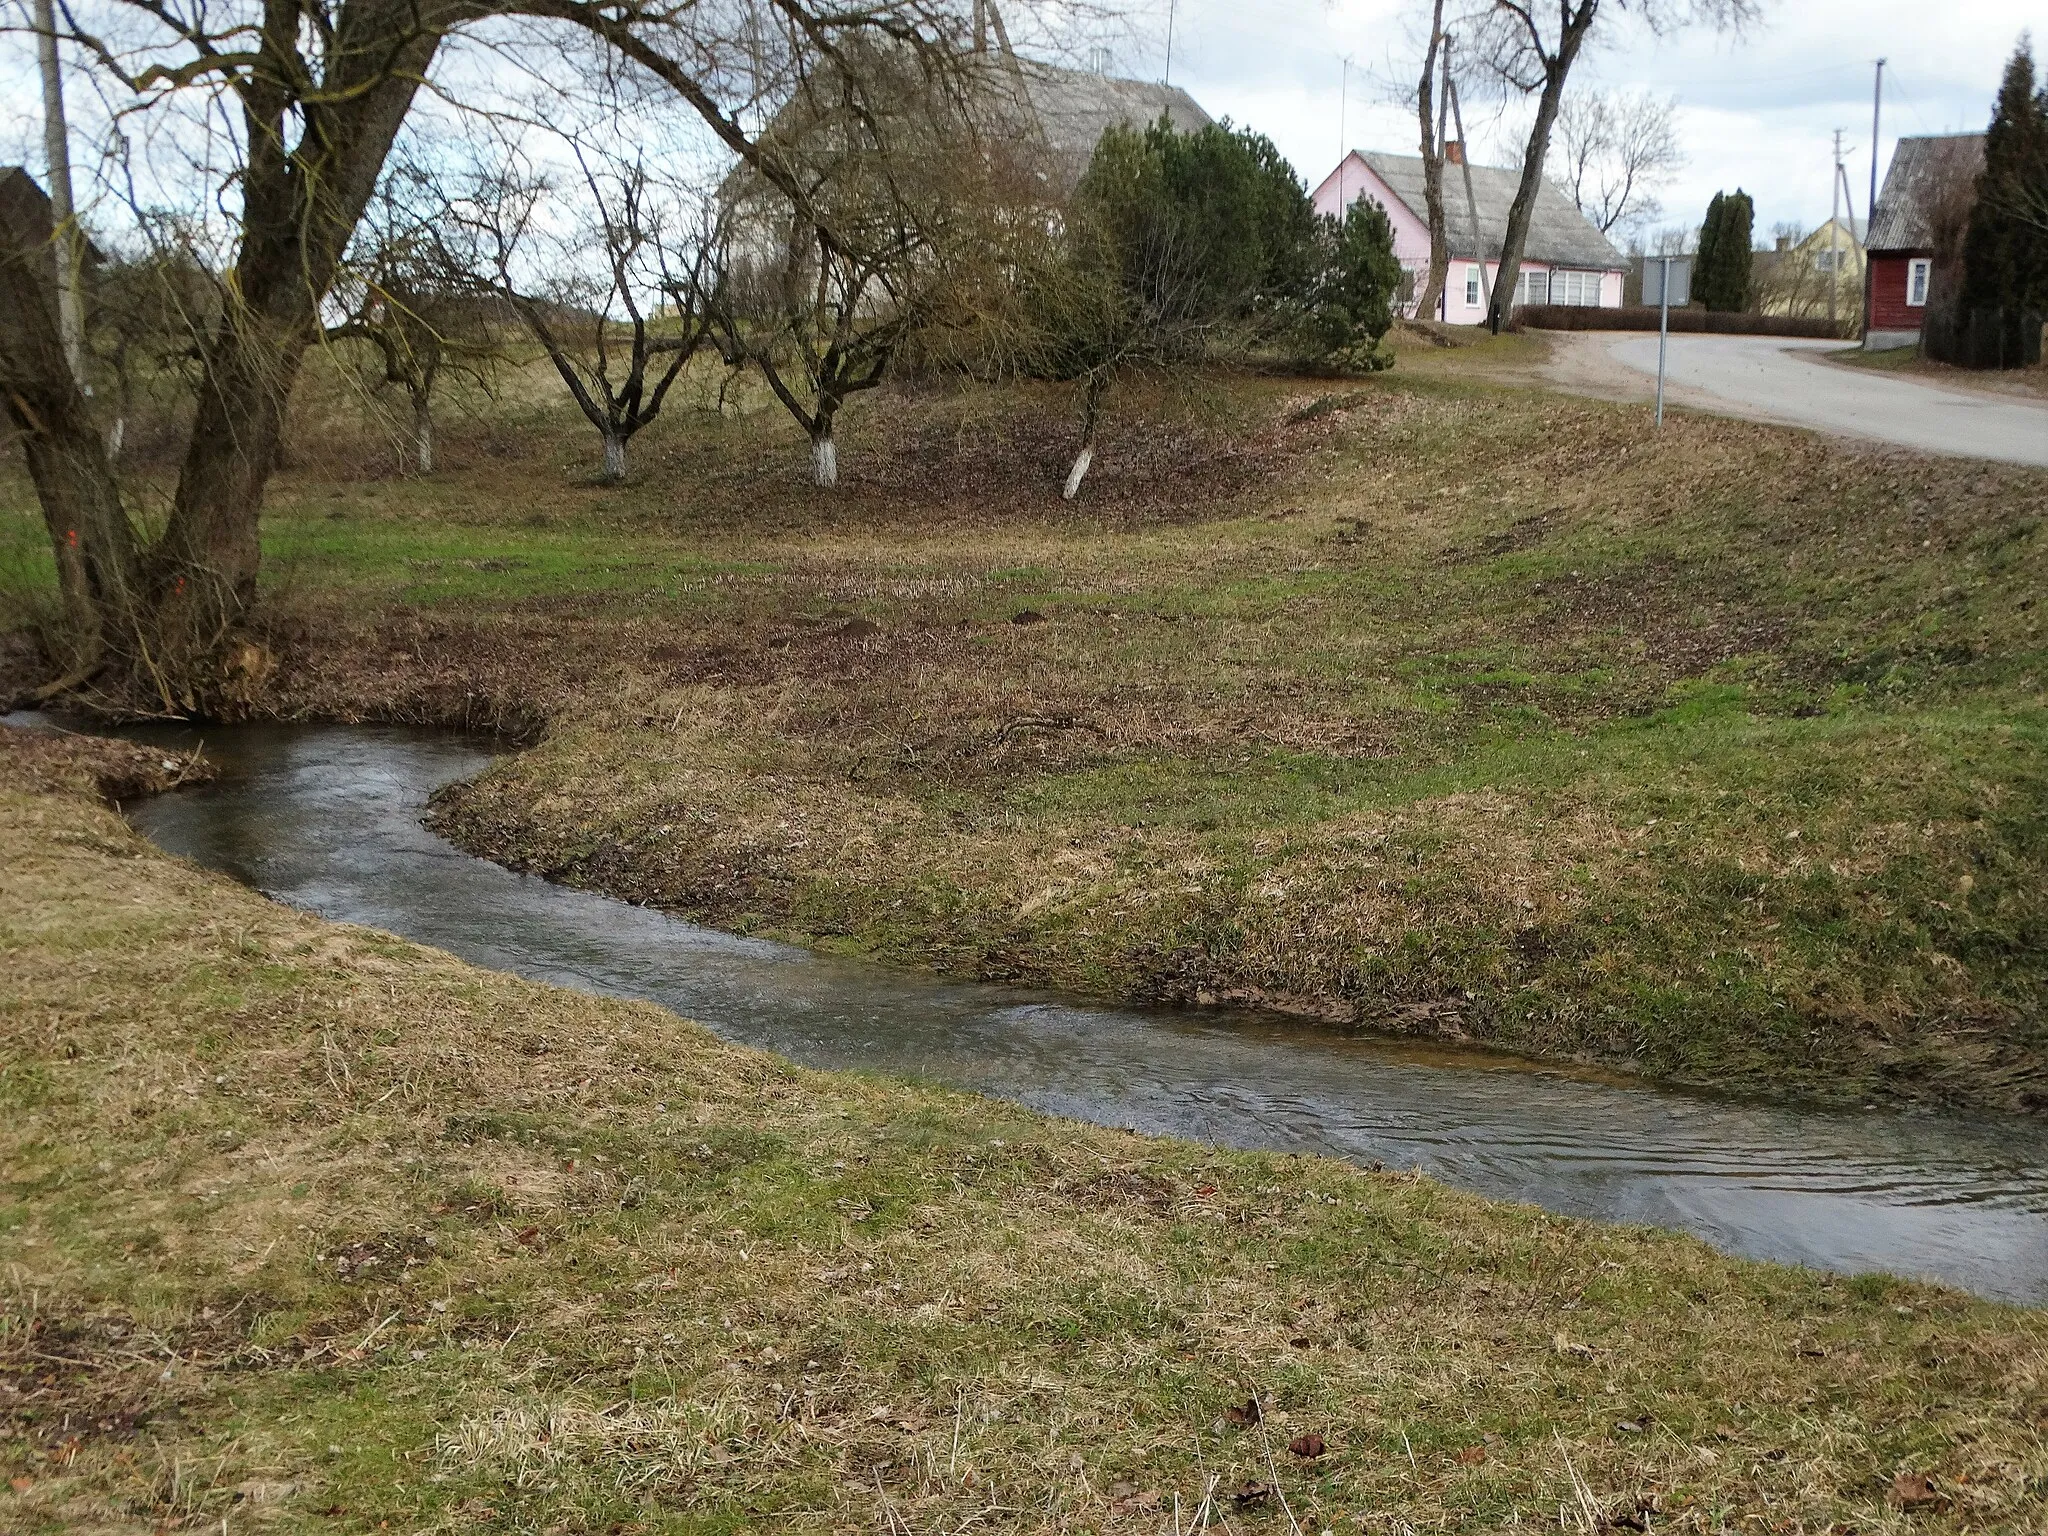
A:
x: 1069, y: 110
x: 1050, y: 117
x: 1566, y: 259
x: 1929, y: 183
x: 1796, y: 277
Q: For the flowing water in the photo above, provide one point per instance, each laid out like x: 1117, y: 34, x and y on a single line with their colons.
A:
x: 328, y: 819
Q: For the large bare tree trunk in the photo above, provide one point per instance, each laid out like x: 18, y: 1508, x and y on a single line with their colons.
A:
x: 157, y: 625
x: 90, y: 535
x: 1430, y: 107
x: 1577, y: 23
x: 301, y: 202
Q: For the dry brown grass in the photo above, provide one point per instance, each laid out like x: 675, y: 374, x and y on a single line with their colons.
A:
x: 1715, y: 753
x: 304, y: 1227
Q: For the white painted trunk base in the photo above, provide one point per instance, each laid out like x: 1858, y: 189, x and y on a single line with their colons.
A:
x: 615, y: 458
x: 1078, y: 473
x: 824, y: 462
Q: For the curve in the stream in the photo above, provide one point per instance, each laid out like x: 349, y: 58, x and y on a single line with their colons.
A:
x: 328, y: 819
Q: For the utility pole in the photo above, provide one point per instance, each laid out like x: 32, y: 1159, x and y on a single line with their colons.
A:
x: 1471, y: 200
x: 1343, y: 136
x: 1835, y: 229
x: 1170, y: 4
x: 1876, y: 124
x: 63, y: 212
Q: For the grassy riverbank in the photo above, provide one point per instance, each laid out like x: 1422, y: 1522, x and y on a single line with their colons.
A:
x: 1415, y: 704
x: 306, y: 1228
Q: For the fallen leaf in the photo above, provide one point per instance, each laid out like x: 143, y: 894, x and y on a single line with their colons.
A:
x: 1911, y: 1491
x: 527, y: 1235
x: 1248, y: 1414
x: 21, y: 1484
x: 1249, y: 1493
x: 1308, y: 1446
x: 1472, y: 1455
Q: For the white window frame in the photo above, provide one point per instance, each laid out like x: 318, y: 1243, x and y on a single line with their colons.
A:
x: 1919, y: 273
x: 1471, y: 287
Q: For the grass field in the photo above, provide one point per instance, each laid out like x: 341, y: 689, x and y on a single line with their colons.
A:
x: 1414, y: 703
x: 304, y: 1228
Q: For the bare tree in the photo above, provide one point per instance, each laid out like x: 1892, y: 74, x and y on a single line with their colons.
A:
x: 1617, y: 150
x: 1432, y: 101
x: 849, y: 231
x: 296, y: 108
x: 408, y: 287
x: 621, y: 304
x: 1530, y: 46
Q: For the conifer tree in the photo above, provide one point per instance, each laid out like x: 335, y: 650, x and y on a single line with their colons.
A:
x: 2005, y: 254
x: 1722, y: 271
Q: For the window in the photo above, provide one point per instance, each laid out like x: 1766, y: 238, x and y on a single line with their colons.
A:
x: 1581, y: 290
x: 1916, y: 280
x: 1532, y: 288
x: 1824, y: 261
x: 1471, y: 287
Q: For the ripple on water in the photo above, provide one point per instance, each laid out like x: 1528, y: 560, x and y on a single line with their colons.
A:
x: 328, y: 819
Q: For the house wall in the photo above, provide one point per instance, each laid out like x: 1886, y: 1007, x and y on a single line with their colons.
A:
x: 1889, y: 312
x: 1354, y: 179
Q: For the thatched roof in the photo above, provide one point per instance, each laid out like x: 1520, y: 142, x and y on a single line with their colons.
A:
x: 1073, y: 108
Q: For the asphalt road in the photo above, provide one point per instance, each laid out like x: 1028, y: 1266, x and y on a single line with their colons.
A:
x: 1768, y: 378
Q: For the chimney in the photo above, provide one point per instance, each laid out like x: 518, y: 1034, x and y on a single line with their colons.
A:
x: 1784, y: 242
x: 1454, y: 152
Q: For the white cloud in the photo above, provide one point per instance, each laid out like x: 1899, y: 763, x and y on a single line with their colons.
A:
x: 1757, y: 112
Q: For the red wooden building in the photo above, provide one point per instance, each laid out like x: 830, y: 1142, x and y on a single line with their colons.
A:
x: 1925, y: 172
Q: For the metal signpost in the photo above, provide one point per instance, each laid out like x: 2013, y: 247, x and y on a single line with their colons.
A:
x: 1672, y: 280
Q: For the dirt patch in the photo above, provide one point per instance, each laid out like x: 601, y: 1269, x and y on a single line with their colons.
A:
x: 48, y: 758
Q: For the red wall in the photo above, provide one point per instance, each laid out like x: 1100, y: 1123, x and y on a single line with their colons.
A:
x: 1889, y: 310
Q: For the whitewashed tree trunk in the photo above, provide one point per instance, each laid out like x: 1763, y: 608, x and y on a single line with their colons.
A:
x: 824, y: 458
x: 1079, y: 472
x: 614, y: 457
x: 423, y: 438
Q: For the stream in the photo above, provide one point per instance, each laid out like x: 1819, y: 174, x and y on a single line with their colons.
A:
x: 328, y: 820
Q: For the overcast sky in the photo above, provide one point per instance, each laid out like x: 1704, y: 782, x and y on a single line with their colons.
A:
x: 1758, y: 113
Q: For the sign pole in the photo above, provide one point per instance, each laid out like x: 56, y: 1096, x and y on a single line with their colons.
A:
x: 1663, y: 334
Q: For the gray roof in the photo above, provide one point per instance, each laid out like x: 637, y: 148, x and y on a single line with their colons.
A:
x: 1559, y: 235
x: 1920, y: 168
x: 1074, y: 108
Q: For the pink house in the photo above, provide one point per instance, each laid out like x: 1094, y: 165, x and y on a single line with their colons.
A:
x: 1567, y: 260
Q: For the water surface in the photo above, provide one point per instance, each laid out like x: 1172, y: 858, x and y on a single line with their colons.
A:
x: 328, y: 819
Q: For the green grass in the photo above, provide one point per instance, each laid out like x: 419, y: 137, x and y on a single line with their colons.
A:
x: 1889, y: 360
x: 1415, y: 701
x: 309, y: 1229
